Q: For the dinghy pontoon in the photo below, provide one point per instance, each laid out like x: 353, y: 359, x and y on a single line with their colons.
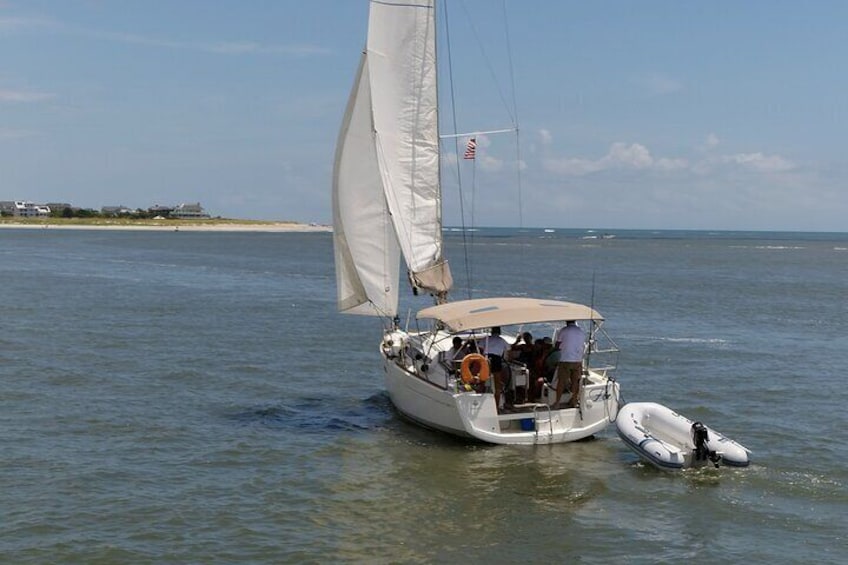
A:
x: 668, y: 440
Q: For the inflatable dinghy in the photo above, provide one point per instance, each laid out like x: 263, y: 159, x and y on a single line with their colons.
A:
x: 668, y: 440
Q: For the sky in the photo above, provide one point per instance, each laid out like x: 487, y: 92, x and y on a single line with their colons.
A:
x: 631, y: 115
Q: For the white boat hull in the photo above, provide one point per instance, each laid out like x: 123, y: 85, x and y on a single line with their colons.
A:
x: 665, y: 439
x: 438, y: 405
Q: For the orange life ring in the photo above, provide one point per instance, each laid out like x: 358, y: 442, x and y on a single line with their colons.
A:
x: 468, y: 375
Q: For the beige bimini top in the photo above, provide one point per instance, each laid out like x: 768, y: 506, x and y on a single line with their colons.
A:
x: 487, y: 312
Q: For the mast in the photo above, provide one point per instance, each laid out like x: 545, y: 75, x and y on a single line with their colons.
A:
x: 440, y: 296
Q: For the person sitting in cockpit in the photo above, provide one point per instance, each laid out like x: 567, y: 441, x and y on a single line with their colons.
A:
x: 448, y: 357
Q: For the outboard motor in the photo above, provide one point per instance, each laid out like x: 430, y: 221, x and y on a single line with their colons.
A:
x: 700, y: 438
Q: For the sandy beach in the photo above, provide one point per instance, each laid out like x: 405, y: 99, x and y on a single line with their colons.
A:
x: 170, y: 226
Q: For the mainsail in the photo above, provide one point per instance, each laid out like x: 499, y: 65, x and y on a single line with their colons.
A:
x: 386, y: 191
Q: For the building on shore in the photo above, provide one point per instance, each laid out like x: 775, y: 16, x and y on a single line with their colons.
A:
x: 24, y: 209
x: 189, y: 212
x: 27, y: 209
x: 157, y: 211
x: 116, y: 210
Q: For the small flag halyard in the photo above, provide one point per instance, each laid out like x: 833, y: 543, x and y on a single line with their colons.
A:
x: 471, y: 149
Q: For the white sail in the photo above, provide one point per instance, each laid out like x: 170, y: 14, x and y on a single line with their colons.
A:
x: 366, y: 249
x: 387, y: 164
x: 402, y: 59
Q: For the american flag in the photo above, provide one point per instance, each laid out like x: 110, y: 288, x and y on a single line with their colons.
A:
x: 471, y: 149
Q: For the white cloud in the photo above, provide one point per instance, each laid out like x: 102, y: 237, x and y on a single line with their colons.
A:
x: 635, y: 156
x: 242, y: 47
x: 483, y: 141
x: 658, y: 84
x: 756, y: 162
x: 24, y: 96
x: 711, y: 141
x: 489, y: 163
x: 666, y: 164
x: 251, y: 47
x: 6, y: 133
x: 620, y: 156
x: 760, y: 162
x: 11, y: 23
x: 545, y: 136
x: 572, y: 166
x: 224, y: 47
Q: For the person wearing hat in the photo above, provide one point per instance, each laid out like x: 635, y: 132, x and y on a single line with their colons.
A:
x: 571, y: 341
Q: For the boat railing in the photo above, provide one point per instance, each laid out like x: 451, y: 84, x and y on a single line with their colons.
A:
x: 603, y: 353
x: 431, y: 370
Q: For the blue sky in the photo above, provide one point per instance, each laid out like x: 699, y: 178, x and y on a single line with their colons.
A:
x: 720, y: 115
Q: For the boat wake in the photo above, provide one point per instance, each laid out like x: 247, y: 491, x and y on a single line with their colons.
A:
x: 707, y: 340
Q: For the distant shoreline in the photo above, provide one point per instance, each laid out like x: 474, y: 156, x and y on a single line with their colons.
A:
x: 163, y: 225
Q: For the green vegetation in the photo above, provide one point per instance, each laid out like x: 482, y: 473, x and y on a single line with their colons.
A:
x: 68, y: 212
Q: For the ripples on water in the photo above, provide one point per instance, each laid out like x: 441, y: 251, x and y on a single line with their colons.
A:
x: 193, y: 398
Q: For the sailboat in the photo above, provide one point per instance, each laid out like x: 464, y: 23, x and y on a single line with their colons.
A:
x: 387, y: 204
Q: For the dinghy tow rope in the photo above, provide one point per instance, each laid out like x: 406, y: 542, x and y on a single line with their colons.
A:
x: 607, y: 395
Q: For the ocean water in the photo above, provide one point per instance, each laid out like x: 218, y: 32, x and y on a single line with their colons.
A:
x: 175, y: 397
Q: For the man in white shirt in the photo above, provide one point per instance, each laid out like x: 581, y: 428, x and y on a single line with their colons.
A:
x: 571, y: 340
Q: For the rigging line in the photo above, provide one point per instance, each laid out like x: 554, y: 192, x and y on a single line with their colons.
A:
x: 515, y: 117
x: 456, y: 150
x: 518, y: 179
x: 473, y: 206
x: 488, y: 63
x: 591, y: 323
x: 511, y: 110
